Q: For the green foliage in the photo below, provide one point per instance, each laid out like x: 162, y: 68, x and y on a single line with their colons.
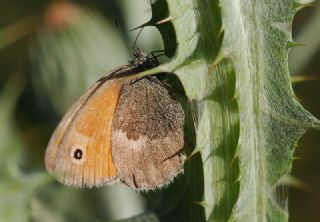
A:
x: 60, y: 52
x: 248, y: 118
x: 17, y: 188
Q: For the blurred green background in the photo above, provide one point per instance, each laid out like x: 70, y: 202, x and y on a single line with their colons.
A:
x: 51, y: 51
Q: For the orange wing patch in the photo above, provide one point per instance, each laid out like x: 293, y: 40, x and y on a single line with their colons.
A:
x: 79, y: 152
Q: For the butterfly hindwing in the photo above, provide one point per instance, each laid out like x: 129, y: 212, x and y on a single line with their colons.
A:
x: 147, y: 137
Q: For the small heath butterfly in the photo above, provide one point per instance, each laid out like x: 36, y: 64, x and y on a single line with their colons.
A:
x: 122, y: 129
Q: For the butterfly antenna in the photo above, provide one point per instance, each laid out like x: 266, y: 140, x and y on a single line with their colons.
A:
x: 123, y: 36
x: 135, y: 41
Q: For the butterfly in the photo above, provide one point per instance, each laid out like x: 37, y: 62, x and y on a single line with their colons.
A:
x: 122, y: 129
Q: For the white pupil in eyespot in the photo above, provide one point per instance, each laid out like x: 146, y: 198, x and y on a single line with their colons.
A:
x: 77, y: 154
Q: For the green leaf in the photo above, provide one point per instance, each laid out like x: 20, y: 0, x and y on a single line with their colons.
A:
x: 147, y: 217
x: 247, y: 118
x: 70, y: 55
x: 16, y: 186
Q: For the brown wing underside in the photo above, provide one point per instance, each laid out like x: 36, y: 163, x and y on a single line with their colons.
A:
x: 147, y: 136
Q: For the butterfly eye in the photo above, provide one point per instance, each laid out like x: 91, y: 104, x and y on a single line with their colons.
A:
x: 77, y: 154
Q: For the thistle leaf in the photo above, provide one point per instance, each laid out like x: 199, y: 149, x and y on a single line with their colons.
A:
x: 232, y: 59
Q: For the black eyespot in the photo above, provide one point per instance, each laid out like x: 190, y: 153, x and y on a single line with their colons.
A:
x: 77, y: 154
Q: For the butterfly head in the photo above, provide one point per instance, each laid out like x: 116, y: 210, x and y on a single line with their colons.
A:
x: 142, y: 59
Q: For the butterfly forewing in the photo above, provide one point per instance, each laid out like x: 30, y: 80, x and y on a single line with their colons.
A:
x: 79, y: 152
